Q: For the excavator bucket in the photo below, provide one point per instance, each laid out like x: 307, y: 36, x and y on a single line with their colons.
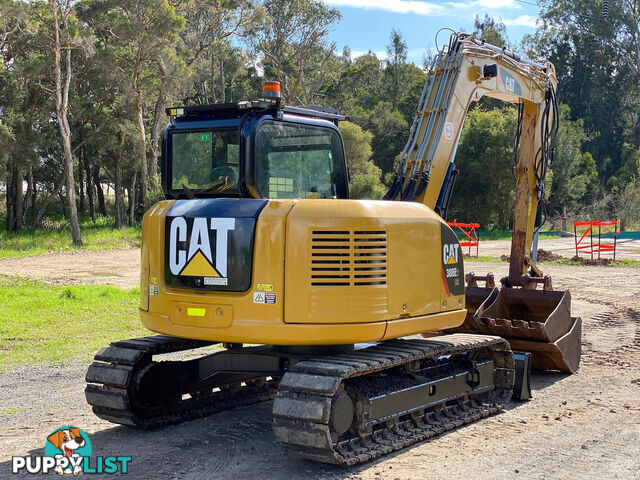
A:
x: 475, y: 295
x: 532, y: 320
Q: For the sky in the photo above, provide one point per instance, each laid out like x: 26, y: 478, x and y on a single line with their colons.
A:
x: 366, y: 24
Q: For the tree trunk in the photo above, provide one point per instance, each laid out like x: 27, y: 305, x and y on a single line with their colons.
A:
x: 85, y: 164
x: 28, y: 195
x: 144, y: 177
x: 158, y: 117
x: 131, y: 194
x: 119, y: 206
x: 81, y: 187
x: 19, y: 198
x: 102, y: 208
x: 62, y: 202
x: 15, y: 198
x: 10, y: 198
x: 62, y: 105
x: 213, y: 78
x: 34, y: 192
x: 223, y: 93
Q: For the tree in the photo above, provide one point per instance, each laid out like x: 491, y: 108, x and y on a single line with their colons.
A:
x: 396, y: 56
x: 597, y: 59
x: 390, y: 130
x: 210, y: 27
x: 628, y: 210
x: 575, y: 176
x: 491, y: 30
x: 63, y: 74
x: 364, y: 174
x: 484, y: 189
x: 294, y: 44
x: 135, y: 34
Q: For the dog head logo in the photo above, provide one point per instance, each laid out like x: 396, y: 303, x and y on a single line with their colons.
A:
x: 68, y: 445
x: 192, y: 247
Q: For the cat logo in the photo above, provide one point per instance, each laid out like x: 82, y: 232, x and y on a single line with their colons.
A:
x: 196, y: 259
x: 509, y: 82
x: 450, y: 253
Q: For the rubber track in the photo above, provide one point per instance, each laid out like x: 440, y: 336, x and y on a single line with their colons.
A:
x: 303, y: 404
x: 111, y: 376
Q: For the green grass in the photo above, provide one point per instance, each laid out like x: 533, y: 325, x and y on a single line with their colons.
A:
x: 8, y: 411
x: 41, y: 323
x: 585, y: 261
x: 484, y: 259
x: 562, y: 261
x: 95, y: 236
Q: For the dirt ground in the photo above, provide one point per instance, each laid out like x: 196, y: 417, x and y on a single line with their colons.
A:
x: 581, y: 426
x: 120, y: 268
x: 626, y: 248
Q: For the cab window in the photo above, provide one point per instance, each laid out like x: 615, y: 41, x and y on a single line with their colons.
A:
x: 205, y: 161
x: 299, y: 161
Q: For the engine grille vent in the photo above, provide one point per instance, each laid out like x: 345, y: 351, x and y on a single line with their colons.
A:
x: 344, y: 258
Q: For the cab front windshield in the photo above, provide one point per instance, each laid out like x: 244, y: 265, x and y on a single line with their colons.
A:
x: 206, y: 161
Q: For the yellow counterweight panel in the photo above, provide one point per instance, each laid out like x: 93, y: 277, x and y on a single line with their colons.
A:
x: 403, y: 298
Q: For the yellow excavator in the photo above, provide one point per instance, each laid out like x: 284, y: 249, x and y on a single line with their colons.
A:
x: 325, y: 303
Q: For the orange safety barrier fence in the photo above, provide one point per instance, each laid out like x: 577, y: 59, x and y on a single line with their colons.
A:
x: 469, y: 230
x: 591, y: 247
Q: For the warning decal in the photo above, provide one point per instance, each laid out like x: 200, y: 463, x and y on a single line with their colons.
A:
x: 264, y: 297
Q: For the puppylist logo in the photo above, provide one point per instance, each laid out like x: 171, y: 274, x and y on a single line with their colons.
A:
x: 68, y: 451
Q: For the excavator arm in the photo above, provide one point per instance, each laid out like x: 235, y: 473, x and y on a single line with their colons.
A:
x: 461, y: 73
x: 534, y: 321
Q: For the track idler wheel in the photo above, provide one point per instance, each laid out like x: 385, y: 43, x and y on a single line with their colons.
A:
x: 342, y: 412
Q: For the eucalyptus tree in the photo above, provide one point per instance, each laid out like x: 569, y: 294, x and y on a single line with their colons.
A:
x: 134, y: 34
x: 597, y: 58
x: 62, y: 16
x: 293, y: 42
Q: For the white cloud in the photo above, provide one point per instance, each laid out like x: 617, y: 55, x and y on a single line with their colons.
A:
x: 497, y: 3
x: 521, y: 21
x: 489, y: 4
x: 381, y: 54
x: 396, y: 6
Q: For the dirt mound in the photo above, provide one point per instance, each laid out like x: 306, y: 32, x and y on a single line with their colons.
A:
x: 595, y: 262
x: 545, y: 255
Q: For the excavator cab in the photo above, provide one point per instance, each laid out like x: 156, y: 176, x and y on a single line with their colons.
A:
x: 253, y: 150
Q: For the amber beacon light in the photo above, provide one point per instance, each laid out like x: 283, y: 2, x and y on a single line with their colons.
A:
x: 271, y: 90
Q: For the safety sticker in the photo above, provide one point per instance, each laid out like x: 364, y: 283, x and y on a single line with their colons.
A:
x: 153, y: 290
x: 264, y: 297
x: 265, y: 287
x: 448, y: 131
